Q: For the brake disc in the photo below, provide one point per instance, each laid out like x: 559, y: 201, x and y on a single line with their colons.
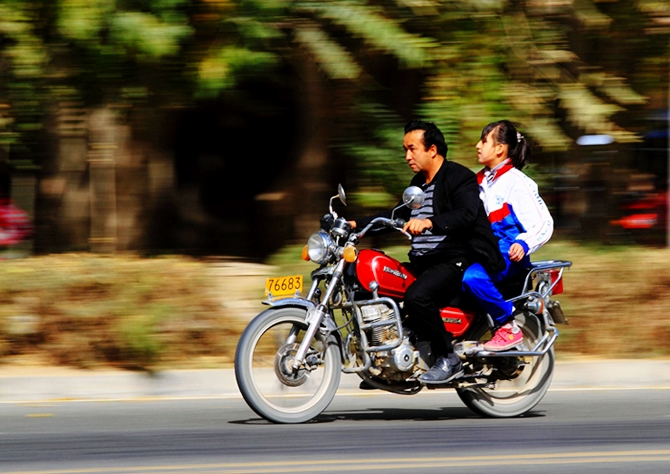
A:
x: 284, y: 366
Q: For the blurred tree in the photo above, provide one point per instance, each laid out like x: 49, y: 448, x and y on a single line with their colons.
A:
x: 526, y: 61
x: 23, y: 61
x: 357, y: 69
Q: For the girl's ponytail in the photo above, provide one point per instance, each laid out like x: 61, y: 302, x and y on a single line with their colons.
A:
x: 520, y: 154
x: 504, y: 132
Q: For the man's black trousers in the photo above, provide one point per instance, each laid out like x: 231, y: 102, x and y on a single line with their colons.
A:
x: 436, y: 286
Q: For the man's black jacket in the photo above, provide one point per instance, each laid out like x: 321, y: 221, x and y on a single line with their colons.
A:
x: 458, y: 213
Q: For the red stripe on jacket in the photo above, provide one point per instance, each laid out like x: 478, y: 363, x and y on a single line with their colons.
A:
x: 500, y: 214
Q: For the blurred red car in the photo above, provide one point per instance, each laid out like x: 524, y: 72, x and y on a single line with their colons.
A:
x: 15, y: 225
x: 647, y: 215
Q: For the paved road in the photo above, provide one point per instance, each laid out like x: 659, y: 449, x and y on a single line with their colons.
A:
x: 599, y: 416
x: 572, y: 430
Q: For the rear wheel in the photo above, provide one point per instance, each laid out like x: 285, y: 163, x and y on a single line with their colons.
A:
x: 264, y: 373
x: 526, y: 382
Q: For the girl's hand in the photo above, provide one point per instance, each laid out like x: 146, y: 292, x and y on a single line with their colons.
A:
x: 516, y: 252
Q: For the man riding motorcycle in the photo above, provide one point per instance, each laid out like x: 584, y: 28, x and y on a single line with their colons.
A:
x: 355, y: 318
x: 450, y: 231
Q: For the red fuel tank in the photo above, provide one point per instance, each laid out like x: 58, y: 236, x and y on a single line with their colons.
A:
x: 393, y: 277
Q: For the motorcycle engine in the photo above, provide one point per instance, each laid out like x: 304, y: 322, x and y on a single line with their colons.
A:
x: 395, y: 364
x: 379, y: 312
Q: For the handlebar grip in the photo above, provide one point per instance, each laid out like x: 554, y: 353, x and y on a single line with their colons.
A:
x: 399, y: 223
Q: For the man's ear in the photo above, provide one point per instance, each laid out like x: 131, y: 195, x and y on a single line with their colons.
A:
x: 432, y: 150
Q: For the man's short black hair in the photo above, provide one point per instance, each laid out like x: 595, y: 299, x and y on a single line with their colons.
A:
x: 431, y: 135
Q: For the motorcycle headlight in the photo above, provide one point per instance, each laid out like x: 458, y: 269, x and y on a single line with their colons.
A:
x: 319, y: 247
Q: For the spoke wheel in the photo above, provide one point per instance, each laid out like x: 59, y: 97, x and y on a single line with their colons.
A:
x: 265, y: 374
x: 526, y: 385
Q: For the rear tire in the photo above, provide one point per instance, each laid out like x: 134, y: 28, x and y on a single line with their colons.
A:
x: 519, y: 395
x: 262, y: 368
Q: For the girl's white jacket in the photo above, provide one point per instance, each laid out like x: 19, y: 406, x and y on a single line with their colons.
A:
x: 516, y: 211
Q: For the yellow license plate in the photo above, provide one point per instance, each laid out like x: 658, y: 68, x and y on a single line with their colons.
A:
x: 283, y: 286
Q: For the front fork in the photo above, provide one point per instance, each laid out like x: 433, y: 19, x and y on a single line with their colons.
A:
x: 315, y: 316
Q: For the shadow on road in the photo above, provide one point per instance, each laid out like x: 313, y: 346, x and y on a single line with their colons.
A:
x: 390, y: 414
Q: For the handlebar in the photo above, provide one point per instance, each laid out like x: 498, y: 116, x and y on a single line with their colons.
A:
x: 396, y: 224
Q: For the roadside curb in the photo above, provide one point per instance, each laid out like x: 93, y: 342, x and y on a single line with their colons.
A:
x: 59, y: 384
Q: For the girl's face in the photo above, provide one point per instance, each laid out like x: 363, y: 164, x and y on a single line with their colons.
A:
x: 489, y: 153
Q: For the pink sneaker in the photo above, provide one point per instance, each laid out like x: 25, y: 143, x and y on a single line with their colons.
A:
x: 506, y: 337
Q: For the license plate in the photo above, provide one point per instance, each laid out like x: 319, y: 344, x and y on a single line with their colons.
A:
x: 283, y: 286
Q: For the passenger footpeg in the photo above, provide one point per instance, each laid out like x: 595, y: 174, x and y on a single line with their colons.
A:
x: 467, y: 349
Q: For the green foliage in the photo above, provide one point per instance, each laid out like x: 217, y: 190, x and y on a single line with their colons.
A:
x: 334, y: 60
x: 544, y: 65
x: 222, y: 68
x: 83, y: 20
x: 375, y: 29
x: 515, y: 63
x: 146, y: 34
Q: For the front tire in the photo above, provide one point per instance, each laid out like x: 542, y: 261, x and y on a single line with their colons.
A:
x: 263, y: 368
x: 518, y: 395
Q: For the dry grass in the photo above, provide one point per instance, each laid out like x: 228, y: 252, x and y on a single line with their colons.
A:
x: 616, y: 299
x: 85, y: 310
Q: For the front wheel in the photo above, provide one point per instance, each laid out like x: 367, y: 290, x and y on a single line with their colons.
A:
x: 264, y: 373
x: 521, y: 392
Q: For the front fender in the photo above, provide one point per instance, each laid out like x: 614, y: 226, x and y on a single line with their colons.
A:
x: 299, y: 302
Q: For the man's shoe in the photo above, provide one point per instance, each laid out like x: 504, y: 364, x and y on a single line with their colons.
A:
x: 442, y: 371
x: 505, y: 338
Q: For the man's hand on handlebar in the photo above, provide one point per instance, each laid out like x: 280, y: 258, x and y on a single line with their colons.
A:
x: 417, y: 226
x: 399, y: 224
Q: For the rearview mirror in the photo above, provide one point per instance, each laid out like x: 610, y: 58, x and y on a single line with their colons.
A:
x: 413, y: 197
x: 340, y: 193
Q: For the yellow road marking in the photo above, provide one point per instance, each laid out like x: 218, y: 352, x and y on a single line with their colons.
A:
x: 324, y: 465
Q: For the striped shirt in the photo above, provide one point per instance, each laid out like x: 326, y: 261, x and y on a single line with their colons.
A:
x: 426, y: 243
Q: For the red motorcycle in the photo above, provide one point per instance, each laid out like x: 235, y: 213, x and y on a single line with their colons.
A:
x: 289, y: 358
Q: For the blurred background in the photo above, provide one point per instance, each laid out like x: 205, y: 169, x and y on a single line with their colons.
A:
x: 197, y: 126
x: 221, y: 127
